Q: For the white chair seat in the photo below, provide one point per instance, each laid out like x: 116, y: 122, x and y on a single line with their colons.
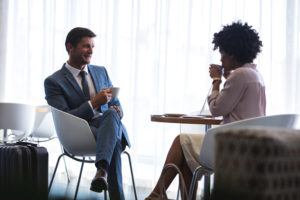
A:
x: 43, y: 126
x: 16, y: 117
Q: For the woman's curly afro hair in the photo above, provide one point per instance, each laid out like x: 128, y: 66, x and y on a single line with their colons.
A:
x: 238, y: 40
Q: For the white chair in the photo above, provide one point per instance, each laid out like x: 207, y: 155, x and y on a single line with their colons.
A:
x: 208, y: 144
x: 43, y: 128
x: 19, y: 118
x: 78, y: 142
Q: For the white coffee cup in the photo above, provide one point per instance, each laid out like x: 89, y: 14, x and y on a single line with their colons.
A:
x: 114, y: 91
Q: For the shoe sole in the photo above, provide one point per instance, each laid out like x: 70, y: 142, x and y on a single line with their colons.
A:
x: 99, y: 185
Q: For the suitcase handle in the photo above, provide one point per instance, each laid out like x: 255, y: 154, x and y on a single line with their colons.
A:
x: 26, y: 144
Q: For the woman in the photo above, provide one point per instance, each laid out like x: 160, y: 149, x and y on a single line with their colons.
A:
x: 242, y: 97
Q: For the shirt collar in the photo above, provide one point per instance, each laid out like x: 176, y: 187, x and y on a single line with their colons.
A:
x: 250, y: 65
x: 75, y: 72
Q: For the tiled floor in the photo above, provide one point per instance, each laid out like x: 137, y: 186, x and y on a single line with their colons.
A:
x: 62, y: 190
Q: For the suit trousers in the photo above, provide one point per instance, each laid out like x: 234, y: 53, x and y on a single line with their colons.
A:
x: 108, y: 134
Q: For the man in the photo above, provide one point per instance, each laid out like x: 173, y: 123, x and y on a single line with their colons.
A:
x: 83, y: 90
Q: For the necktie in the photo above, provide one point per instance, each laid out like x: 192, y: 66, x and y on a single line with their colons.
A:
x: 85, y: 86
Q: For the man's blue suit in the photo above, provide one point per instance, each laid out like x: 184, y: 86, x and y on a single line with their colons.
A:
x: 63, y: 92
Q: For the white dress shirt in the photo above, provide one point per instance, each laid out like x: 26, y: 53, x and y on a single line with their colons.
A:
x: 76, y: 74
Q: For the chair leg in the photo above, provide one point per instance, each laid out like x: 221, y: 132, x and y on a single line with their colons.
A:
x: 203, y: 171
x: 178, y: 191
x: 54, y: 172
x: 66, y: 169
x: 105, y: 194
x: 79, y: 178
x: 206, y: 187
x: 132, y: 177
x: 5, y: 136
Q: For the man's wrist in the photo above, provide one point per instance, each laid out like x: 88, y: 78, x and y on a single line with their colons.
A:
x: 93, y: 103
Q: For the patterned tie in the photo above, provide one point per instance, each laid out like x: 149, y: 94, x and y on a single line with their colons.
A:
x: 85, y: 86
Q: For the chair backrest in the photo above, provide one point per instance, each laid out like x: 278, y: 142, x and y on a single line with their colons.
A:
x: 74, y: 134
x: 18, y: 117
x: 208, y: 145
x: 43, y: 125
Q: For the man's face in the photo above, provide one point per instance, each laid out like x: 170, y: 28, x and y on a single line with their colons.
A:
x: 82, y: 53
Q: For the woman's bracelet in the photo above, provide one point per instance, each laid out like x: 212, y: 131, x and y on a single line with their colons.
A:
x: 215, y: 79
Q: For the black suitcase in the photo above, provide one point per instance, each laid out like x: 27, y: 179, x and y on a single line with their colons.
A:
x: 23, y: 172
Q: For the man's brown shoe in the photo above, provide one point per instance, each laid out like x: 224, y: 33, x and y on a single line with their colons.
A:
x: 99, y: 182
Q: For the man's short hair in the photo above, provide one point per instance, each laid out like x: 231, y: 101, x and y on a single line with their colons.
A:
x: 75, y: 35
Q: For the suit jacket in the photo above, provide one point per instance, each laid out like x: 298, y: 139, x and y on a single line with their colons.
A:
x: 63, y: 93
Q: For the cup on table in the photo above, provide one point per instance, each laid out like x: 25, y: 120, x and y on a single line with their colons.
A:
x: 114, y: 91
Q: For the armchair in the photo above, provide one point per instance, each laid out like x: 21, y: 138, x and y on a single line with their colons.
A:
x: 207, y: 152
x: 78, y: 143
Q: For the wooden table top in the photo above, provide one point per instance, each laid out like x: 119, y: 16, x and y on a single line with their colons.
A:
x: 186, y: 119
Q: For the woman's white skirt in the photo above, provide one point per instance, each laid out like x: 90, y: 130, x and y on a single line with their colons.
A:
x: 191, y: 146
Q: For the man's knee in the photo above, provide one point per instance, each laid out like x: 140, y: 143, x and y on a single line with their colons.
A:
x: 111, y: 113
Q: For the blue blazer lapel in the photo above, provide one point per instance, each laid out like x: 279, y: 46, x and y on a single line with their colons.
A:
x: 71, y: 79
x: 96, y: 78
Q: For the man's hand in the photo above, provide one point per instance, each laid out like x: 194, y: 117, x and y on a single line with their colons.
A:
x: 103, y: 97
x: 117, y: 109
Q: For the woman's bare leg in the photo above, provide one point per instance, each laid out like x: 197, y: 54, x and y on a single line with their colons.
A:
x: 175, y: 156
x: 187, y: 175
